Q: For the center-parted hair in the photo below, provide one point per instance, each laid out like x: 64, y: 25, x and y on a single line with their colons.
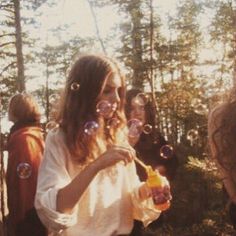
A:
x: 90, y: 73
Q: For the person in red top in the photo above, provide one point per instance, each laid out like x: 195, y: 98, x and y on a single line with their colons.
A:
x: 25, y: 152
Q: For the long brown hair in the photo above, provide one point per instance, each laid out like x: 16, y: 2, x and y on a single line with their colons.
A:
x: 78, y: 107
x: 145, y: 140
x: 224, y: 136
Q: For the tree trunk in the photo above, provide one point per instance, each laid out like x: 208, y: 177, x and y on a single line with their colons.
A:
x: 19, y: 53
x: 138, y: 76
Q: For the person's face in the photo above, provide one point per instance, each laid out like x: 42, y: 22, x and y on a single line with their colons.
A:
x: 137, y: 110
x: 111, y: 93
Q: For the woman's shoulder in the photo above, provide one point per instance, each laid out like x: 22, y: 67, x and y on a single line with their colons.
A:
x: 26, y: 134
x: 55, y: 135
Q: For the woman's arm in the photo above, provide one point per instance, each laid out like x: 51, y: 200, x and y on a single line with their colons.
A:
x: 68, y: 196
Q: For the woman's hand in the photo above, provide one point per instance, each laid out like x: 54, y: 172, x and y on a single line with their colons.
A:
x: 161, y: 169
x: 113, y: 155
x: 144, y: 192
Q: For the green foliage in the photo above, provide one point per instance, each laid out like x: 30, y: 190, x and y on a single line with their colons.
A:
x: 198, y: 205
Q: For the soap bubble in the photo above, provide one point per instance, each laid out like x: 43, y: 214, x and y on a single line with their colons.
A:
x: 192, y: 135
x: 147, y: 129
x: 104, y: 108
x: 24, y: 170
x: 166, y: 151
x: 74, y: 86
x: 142, y: 99
x: 135, y: 127
x: 91, y: 127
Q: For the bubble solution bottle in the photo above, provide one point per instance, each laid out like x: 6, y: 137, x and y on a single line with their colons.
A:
x: 160, y: 189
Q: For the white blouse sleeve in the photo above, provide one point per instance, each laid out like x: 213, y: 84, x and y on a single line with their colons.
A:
x: 53, y: 176
x: 143, y: 210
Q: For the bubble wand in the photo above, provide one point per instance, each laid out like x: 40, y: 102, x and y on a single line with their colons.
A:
x: 146, y: 167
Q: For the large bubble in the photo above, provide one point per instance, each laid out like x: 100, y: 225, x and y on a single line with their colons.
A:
x: 104, y: 108
x: 135, y: 127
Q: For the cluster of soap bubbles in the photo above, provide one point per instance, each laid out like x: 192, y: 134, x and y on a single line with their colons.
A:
x: 24, y: 170
x: 103, y: 108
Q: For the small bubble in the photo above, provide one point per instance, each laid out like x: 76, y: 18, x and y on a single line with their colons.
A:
x: 91, y: 127
x: 147, y: 128
x: 74, y: 86
x: 166, y: 151
x: 24, y: 170
x: 192, y: 135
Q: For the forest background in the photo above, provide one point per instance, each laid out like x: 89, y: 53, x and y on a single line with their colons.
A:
x: 182, y: 52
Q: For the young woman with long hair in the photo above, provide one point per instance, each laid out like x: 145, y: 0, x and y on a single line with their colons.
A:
x: 148, y: 146
x: 87, y: 182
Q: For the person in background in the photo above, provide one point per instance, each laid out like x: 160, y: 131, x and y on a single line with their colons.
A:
x: 25, y: 152
x: 148, y: 146
x: 222, y: 138
x: 87, y: 182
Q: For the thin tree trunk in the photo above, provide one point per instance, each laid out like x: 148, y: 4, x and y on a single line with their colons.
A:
x: 96, y: 26
x: 138, y: 75
x: 19, y: 53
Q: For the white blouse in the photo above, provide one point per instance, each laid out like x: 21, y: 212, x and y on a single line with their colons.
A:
x: 108, y: 205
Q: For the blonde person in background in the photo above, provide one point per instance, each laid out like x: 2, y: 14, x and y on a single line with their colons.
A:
x: 87, y: 182
x: 25, y: 151
x: 222, y: 142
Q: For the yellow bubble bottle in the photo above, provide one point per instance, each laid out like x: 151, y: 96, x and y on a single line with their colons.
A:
x: 160, y: 190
